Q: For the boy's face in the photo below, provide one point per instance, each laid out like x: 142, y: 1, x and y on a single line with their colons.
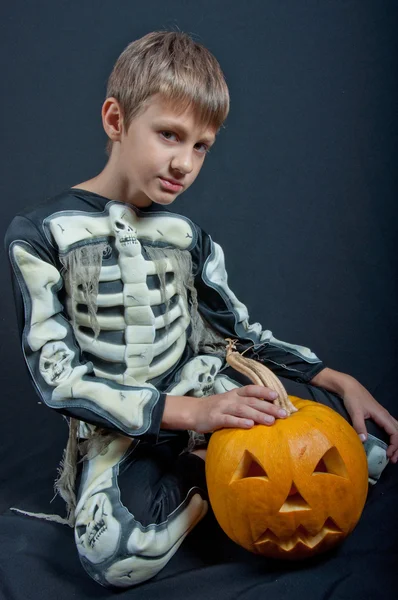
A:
x: 160, y: 146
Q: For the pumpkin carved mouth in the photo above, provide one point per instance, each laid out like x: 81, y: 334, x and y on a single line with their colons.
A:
x: 300, y: 537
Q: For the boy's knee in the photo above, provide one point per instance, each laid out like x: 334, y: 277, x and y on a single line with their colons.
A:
x: 131, y: 570
x: 115, y: 558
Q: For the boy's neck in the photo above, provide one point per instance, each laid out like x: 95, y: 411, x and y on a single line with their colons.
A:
x: 110, y: 184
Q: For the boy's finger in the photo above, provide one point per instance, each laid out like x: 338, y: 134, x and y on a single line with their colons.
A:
x: 392, y: 453
x: 232, y: 421
x: 265, y: 407
x: 258, y: 391
x: 385, y: 420
x: 388, y: 423
x: 247, y: 411
x: 358, y: 423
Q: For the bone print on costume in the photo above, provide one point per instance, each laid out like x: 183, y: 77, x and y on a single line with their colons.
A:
x: 197, y: 377
x: 118, y: 307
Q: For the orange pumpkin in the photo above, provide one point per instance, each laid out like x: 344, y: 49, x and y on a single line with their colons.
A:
x: 290, y: 490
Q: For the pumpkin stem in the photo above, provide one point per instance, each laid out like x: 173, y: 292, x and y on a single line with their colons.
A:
x: 231, y: 346
x: 259, y: 374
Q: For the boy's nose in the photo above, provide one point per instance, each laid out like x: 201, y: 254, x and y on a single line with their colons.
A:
x: 182, y: 162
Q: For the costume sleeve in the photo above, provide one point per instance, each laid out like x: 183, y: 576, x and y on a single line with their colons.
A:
x: 224, y: 312
x: 62, y: 378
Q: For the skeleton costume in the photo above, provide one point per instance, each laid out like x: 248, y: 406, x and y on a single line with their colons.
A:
x: 117, y: 307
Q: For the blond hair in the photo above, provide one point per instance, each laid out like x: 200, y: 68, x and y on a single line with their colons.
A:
x: 174, y: 65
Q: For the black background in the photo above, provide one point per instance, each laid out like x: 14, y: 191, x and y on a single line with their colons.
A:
x: 300, y: 188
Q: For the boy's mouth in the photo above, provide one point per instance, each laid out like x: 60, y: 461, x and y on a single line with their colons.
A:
x: 171, y: 185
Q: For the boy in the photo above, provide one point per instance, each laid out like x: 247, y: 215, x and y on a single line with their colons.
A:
x: 124, y: 308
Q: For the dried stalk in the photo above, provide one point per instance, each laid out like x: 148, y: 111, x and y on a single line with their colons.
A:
x: 259, y: 375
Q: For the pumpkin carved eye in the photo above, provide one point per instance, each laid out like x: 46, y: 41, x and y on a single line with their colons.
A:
x: 249, y: 467
x: 331, y: 462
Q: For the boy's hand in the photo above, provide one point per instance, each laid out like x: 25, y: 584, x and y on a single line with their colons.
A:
x: 361, y: 405
x: 241, y: 407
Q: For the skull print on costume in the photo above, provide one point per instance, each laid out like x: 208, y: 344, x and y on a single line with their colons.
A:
x: 97, y: 531
x: 55, y: 362
x: 197, y: 377
x: 116, y: 379
x: 126, y: 236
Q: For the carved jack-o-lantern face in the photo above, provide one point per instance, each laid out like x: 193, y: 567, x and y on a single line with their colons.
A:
x: 290, y: 490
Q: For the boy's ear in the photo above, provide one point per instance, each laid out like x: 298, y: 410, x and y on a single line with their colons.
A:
x: 112, y: 119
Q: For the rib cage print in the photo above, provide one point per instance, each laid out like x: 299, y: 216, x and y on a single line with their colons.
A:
x: 142, y: 330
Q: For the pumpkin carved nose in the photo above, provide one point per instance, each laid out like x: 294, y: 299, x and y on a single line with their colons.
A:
x: 294, y: 501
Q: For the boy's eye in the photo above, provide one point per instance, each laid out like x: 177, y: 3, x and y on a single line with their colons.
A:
x: 167, y: 134
x: 206, y: 149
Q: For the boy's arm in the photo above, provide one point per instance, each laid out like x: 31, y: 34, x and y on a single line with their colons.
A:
x: 360, y: 405
x: 62, y: 378
x: 225, y: 313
